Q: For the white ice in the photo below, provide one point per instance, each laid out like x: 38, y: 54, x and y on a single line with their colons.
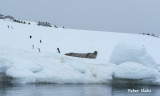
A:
x: 132, y: 53
x: 132, y: 70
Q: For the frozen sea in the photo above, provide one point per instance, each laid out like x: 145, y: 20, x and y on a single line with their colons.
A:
x: 75, y: 90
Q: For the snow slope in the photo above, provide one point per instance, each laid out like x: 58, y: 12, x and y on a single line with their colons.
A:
x: 19, y: 63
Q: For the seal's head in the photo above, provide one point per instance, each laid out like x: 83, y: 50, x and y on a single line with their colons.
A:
x: 95, y: 52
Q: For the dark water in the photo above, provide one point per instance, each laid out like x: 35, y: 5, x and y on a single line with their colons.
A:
x: 75, y: 90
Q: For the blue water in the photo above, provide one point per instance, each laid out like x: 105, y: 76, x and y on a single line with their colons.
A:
x: 75, y: 90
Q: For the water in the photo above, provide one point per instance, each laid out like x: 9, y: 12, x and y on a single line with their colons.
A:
x: 75, y: 90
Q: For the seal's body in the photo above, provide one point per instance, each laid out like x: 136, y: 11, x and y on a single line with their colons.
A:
x: 83, y: 55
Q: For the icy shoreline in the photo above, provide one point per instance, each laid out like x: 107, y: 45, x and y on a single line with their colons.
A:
x: 56, y: 68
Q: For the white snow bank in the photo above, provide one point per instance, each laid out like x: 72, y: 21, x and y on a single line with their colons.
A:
x: 30, y: 67
x: 131, y: 70
x: 132, y: 53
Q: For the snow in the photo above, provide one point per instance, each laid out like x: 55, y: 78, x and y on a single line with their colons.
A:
x: 132, y: 53
x: 19, y: 63
x: 53, y: 68
x: 132, y: 70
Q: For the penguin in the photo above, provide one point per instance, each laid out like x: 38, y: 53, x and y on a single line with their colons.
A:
x: 30, y: 36
x: 58, y: 50
x: 39, y: 50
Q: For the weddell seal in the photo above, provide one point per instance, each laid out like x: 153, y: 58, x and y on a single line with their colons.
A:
x: 83, y: 55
